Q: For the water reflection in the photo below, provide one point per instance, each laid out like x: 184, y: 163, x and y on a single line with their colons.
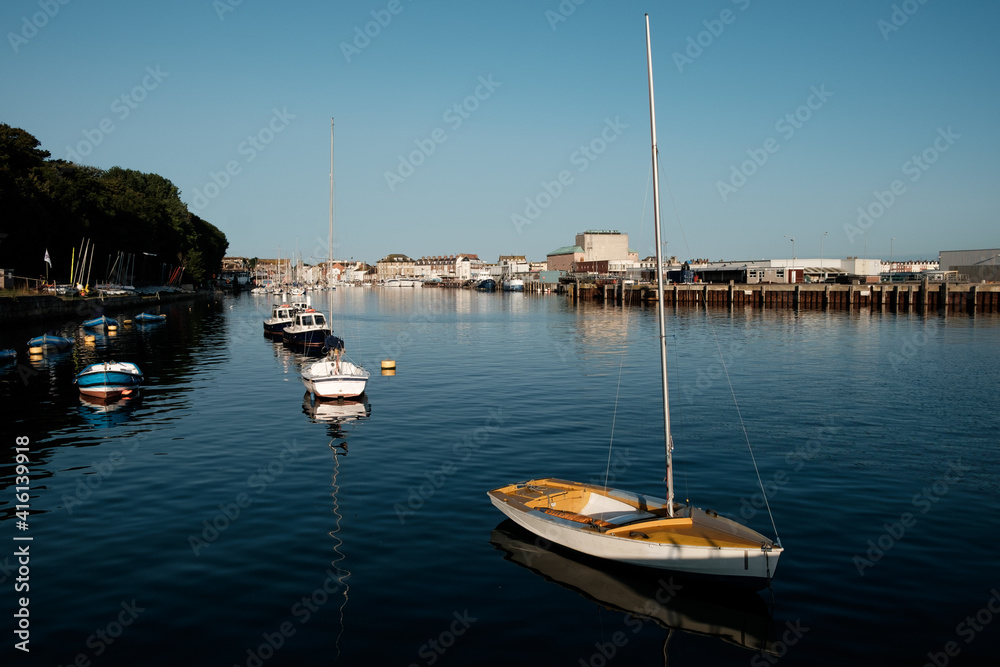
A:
x: 732, y: 615
x: 108, y: 412
x: 339, y: 572
x: 336, y: 413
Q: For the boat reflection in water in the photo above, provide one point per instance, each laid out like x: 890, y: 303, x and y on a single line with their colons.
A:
x: 734, y: 615
x: 107, y: 412
x: 336, y: 411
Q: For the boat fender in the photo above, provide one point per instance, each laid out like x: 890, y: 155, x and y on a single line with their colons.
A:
x: 712, y: 513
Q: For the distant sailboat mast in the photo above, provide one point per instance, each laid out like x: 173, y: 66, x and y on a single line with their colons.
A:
x: 668, y: 441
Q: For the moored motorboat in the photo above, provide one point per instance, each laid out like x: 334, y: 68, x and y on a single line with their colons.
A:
x: 281, y: 316
x: 486, y: 285
x: 334, y: 376
x: 308, y: 331
x: 108, y: 379
x: 513, y: 285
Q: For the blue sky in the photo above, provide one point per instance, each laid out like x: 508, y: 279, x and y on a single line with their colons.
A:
x: 866, y: 120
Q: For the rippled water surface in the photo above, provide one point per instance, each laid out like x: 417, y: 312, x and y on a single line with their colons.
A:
x: 223, y: 518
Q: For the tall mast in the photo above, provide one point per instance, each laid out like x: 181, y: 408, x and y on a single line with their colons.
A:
x: 329, y: 259
x: 667, y: 440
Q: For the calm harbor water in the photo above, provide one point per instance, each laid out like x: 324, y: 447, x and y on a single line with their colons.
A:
x: 223, y: 518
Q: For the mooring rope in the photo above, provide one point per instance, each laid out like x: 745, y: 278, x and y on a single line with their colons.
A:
x: 743, y: 426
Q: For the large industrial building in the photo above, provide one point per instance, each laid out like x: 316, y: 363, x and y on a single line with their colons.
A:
x: 976, y: 265
x: 593, y: 247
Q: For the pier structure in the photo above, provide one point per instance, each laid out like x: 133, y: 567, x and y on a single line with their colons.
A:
x: 922, y: 298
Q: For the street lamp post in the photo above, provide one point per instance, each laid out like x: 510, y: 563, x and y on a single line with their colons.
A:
x: 821, y: 255
x: 792, y: 239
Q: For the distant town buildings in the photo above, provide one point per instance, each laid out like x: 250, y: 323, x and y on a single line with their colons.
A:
x: 606, y: 253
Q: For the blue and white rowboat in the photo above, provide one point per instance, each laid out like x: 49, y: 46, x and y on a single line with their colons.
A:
x: 149, y: 317
x: 110, y: 378
x: 50, y: 342
x: 102, y: 322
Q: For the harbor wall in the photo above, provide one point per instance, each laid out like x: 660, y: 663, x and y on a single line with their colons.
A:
x: 48, y: 307
x: 926, y: 297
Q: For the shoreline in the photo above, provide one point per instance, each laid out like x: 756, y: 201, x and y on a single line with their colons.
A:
x: 48, y: 307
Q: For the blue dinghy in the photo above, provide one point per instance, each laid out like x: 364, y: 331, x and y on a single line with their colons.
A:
x: 109, y: 378
x: 102, y: 322
x: 50, y: 342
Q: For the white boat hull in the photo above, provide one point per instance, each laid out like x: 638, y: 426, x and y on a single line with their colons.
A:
x: 747, y: 563
x: 331, y: 379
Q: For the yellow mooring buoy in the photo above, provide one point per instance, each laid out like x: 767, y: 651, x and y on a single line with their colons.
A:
x: 388, y: 365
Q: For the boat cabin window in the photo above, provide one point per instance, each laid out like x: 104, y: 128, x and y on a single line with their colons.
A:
x: 320, y: 320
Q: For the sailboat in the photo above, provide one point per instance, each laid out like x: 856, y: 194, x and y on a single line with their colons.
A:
x: 635, y: 528
x: 334, y: 376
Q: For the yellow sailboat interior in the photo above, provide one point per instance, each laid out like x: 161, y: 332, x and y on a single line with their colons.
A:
x: 626, y: 515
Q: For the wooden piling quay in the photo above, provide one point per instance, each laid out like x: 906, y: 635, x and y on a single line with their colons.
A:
x: 921, y: 298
